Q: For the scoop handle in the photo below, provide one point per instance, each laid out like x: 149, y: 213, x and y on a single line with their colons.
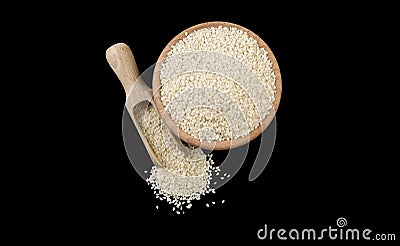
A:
x: 121, y: 60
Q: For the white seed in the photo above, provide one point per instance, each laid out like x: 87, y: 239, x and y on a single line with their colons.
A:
x: 223, y: 201
x: 207, y: 205
x: 213, y: 202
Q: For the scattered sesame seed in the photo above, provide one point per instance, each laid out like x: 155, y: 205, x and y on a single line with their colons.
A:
x: 223, y: 201
x: 207, y: 205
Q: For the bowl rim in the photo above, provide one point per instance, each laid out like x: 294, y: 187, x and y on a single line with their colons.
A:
x: 216, y: 145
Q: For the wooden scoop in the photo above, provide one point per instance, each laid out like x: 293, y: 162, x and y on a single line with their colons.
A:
x: 121, y: 60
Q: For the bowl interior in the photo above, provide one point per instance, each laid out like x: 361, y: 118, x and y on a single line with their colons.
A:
x: 217, y: 145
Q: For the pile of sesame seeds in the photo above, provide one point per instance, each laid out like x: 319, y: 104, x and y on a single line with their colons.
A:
x: 217, y: 83
x: 187, y: 172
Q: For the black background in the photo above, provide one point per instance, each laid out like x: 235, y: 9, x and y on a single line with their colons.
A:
x: 335, y: 153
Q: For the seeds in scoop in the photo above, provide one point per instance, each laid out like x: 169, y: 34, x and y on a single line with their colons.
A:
x: 186, y: 175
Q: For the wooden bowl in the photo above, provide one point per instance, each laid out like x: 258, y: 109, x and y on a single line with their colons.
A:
x: 217, y: 145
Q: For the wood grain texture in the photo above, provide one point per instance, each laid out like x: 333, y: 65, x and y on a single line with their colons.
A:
x: 217, y: 145
x: 123, y: 63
